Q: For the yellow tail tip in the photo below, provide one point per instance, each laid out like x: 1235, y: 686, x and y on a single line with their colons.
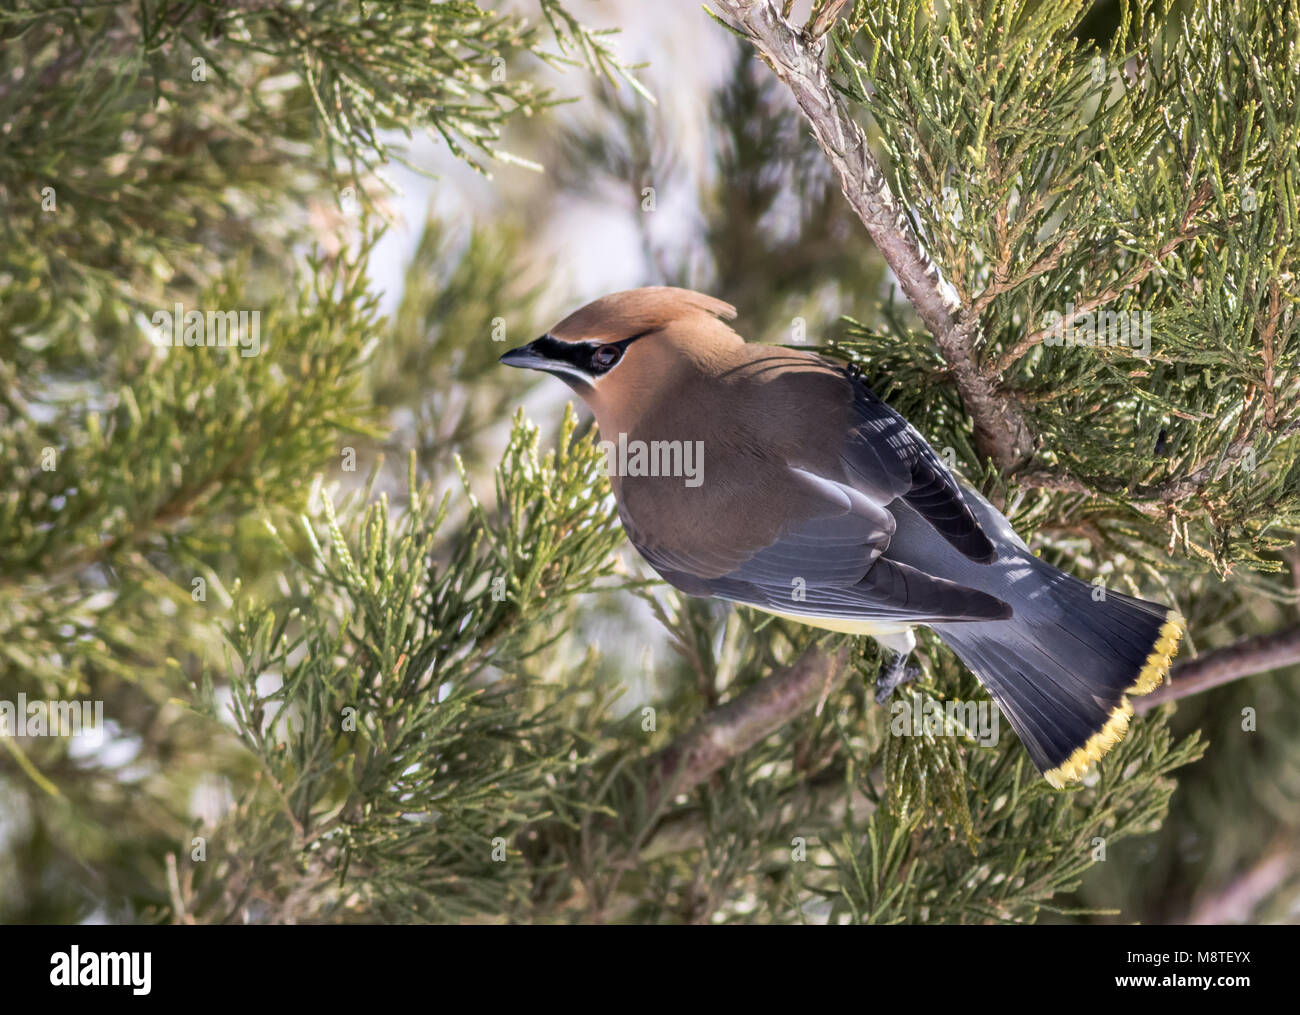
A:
x: 1157, y: 664
x: 1073, y: 768
x: 1153, y: 672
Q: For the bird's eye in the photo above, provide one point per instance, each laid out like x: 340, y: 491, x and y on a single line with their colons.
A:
x: 606, y: 356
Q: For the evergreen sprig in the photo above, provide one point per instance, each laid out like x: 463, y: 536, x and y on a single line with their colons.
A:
x: 382, y: 698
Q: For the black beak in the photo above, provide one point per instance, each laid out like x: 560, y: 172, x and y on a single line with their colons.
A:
x: 524, y: 356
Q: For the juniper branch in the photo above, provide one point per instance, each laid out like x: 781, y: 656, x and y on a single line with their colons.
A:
x: 731, y: 729
x: 796, y: 58
x: 1220, y: 666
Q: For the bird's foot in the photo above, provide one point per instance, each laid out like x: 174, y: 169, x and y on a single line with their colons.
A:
x: 894, y: 674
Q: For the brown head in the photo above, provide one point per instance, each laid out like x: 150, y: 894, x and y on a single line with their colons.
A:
x: 624, y: 351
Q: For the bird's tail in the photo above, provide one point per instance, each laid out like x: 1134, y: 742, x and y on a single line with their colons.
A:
x: 1062, y: 668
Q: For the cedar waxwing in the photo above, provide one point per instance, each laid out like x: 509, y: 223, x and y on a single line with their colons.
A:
x: 807, y: 496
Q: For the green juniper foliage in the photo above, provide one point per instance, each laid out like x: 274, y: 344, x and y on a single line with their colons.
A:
x: 366, y: 647
x: 389, y: 743
x: 1152, y: 186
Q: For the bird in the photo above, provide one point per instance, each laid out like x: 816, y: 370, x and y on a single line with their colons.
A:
x: 810, y: 498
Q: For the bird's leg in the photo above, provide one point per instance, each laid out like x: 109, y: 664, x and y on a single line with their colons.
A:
x: 894, y: 674
x: 896, y: 670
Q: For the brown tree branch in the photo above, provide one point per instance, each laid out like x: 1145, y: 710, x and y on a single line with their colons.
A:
x: 824, y: 20
x: 1223, y: 665
x: 734, y: 727
x: 796, y: 57
x: 1236, y: 901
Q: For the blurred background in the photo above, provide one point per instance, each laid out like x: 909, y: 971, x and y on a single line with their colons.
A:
x: 715, y: 186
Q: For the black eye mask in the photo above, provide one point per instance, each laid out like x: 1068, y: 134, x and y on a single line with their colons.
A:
x: 592, y: 358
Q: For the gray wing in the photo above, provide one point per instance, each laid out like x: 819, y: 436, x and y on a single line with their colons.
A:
x: 828, y: 565
x: 887, y: 458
